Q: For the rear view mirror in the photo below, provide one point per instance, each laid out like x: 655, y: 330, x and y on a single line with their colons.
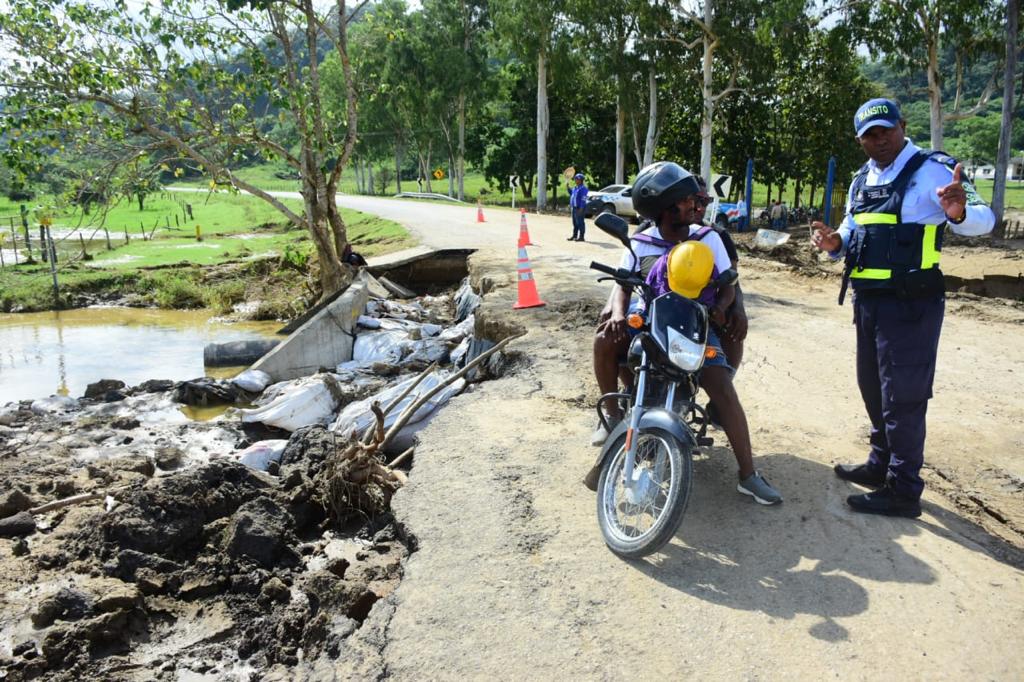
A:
x: 613, y: 225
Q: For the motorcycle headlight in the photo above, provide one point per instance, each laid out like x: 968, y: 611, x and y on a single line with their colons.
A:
x: 684, y: 353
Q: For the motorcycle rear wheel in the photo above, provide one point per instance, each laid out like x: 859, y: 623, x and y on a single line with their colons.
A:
x: 664, y: 474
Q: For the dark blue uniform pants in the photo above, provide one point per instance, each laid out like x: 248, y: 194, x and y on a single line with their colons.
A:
x: 897, y: 341
x: 579, y: 226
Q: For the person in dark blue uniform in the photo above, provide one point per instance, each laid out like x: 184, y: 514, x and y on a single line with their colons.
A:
x: 900, y: 203
x: 578, y: 202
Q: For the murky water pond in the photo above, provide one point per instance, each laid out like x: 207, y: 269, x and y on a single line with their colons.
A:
x: 63, y: 352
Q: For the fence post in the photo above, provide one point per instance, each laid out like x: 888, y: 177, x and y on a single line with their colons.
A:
x: 24, y: 226
x: 53, y: 266
x: 3, y: 236
x: 107, y: 232
x: 81, y: 240
x: 14, y: 239
x: 748, y: 188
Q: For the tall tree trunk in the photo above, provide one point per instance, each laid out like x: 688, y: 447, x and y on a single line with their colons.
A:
x: 710, y: 44
x: 369, y: 177
x: 398, y: 167
x: 652, y: 117
x: 796, y: 193
x: 636, y: 142
x: 620, y: 141
x: 1003, y: 155
x: 934, y: 90
x: 451, y: 176
x: 543, y: 124
x: 460, y: 167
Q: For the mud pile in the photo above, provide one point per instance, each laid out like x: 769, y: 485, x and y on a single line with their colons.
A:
x: 218, y: 569
x: 143, y: 545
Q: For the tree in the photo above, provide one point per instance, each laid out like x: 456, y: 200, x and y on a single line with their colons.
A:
x: 1009, y: 77
x: 912, y: 33
x: 189, y: 79
x: 530, y: 28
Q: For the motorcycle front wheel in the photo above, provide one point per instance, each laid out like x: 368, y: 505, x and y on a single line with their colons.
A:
x: 638, y: 519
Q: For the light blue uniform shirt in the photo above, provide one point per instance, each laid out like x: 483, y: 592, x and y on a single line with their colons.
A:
x: 920, y: 202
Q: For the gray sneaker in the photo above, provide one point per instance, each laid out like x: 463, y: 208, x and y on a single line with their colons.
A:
x: 757, y: 487
x: 600, y: 434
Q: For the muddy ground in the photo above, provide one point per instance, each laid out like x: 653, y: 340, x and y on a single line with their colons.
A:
x: 224, y: 573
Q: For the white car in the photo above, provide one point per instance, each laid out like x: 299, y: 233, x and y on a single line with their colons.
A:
x: 617, y: 199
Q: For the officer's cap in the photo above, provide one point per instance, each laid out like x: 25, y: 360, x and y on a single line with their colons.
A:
x: 876, y: 112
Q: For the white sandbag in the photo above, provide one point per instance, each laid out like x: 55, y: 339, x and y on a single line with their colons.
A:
x: 356, y: 417
x: 458, y: 355
x: 460, y: 331
x: 426, y: 351
x: 428, y: 329
x: 252, y: 380
x: 54, y: 403
x: 260, y: 454
x: 311, y: 400
x: 380, y: 346
x: 368, y: 322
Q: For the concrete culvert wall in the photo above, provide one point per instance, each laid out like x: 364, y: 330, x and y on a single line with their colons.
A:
x: 427, y: 273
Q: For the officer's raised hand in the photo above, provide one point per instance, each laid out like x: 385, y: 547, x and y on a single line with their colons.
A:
x: 825, y: 238
x: 953, y: 197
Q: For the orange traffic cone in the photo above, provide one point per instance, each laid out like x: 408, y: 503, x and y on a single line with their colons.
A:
x: 479, y: 212
x: 528, y: 297
x: 524, y: 234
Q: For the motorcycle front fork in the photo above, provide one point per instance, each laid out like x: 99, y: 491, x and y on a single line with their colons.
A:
x: 637, y: 413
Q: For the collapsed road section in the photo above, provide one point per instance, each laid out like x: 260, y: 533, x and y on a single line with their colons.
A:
x: 144, y: 545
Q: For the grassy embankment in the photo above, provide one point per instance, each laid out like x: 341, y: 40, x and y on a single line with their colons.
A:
x: 476, y: 187
x: 247, y: 252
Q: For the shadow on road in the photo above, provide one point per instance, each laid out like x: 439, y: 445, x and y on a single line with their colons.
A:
x: 807, y: 556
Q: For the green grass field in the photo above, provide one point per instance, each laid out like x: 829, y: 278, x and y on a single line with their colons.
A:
x: 233, y: 228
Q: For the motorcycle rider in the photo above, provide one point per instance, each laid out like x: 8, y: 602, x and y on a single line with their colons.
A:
x: 734, y: 332
x: 667, y: 194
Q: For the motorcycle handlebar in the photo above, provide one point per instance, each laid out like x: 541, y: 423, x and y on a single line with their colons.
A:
x: 626, y: 278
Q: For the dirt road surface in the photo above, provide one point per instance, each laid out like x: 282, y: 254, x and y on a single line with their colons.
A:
x: 512, y: 580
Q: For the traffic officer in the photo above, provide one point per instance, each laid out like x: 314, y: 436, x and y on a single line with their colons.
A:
x: 899, y: 204
x: 577, y: 204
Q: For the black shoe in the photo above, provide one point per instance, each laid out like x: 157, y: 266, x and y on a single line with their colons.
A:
x: 581, y: 239
x: 860, y: 474
x: 571, y: 239
x: 887, y: 502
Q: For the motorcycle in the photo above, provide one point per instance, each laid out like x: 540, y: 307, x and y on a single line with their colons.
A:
x: 644, y: 474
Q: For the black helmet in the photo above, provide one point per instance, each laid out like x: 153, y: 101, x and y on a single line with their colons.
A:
x: 660, y: 186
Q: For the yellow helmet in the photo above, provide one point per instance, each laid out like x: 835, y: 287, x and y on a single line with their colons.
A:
x: 690, y: 265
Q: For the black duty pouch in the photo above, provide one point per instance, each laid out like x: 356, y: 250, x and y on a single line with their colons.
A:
x: 921, y: 284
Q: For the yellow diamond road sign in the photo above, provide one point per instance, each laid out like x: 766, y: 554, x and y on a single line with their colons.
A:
x: 439, y: 174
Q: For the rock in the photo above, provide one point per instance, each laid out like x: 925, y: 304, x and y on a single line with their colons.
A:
x: 113, y: 396
x: 204, y: 391
x: 150, y: 582
x: 140, y: 464
x: 259, y: 531
x: 168, y: 457
x: 24, y: 649
x: 124, y: 423
x: 15, y: 501
x: 120, y: 598
x: 154, y: 386
x: 19, y: 547
x: 199, y: 587
x: 18, y: 525
x: 274, y: 590
x: 66, y: 604
x: 96, y: 390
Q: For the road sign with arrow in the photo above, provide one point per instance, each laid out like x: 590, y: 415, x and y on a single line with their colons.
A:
x: 720, y: 185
